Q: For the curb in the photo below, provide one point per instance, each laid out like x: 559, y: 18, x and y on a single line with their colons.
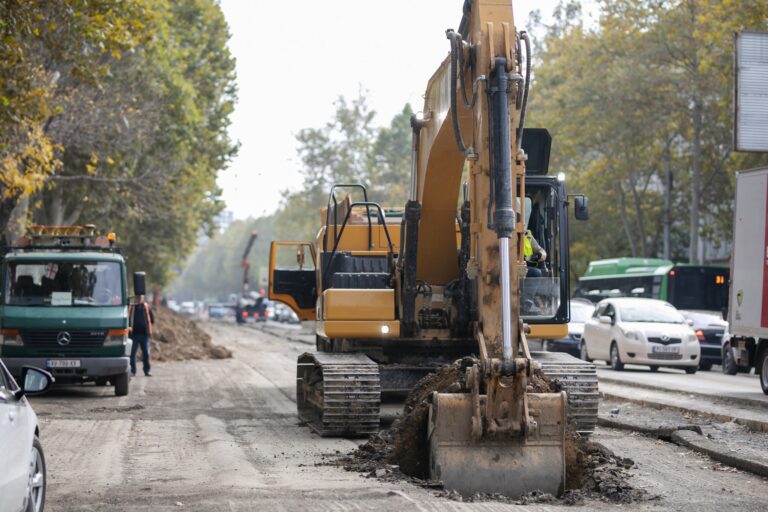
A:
x: 701, y: 444
x: 663, y: 431
x: 735, y: 400
x: 751, y: 424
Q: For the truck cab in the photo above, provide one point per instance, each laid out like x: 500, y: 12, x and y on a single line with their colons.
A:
x: 64, y: 306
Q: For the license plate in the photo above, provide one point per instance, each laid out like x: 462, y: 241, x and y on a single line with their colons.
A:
x: 64, y: 363
x: 668, y: 350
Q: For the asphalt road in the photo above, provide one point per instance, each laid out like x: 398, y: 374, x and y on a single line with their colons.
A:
x: 742, y: 387
x: 222, y: 435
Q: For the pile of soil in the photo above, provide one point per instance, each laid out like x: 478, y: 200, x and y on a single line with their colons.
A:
x: 402, y: 452
x: 176, y: 338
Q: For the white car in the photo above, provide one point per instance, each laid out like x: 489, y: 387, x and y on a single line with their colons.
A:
x: 22, y: 473
x: 640, y: 331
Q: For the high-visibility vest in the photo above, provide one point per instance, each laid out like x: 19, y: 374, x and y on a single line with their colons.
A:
x: 146, y: 312
x: 527, y: 245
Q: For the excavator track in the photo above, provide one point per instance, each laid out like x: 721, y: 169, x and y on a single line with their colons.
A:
x: 579, y: 381
x: 338, y: 395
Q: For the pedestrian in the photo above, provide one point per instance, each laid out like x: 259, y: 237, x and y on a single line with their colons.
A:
x: 141, y: 319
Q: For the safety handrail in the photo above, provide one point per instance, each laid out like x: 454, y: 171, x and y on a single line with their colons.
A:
x: 332, y: 197
x: 382, y: 222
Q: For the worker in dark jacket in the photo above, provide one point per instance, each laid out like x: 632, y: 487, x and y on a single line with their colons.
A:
x: 142, y: 318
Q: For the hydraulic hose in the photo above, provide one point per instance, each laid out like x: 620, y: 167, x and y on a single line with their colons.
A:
x: 526, y: 87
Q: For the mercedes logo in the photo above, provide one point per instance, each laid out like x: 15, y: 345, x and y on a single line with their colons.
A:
x: 64, y: 338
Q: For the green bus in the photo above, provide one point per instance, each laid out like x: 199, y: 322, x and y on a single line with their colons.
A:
x: 688, y: 287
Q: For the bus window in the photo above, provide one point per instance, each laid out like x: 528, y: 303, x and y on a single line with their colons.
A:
x: 699, y: 287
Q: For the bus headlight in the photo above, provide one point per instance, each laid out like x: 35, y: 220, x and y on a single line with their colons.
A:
x: 116, y: 338
x: 10, y: 338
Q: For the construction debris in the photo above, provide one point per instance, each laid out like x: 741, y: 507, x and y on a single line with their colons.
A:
x: 176, y: 338
x: 402, y: 452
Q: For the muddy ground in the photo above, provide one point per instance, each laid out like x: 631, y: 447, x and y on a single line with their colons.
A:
x: 222, y: 435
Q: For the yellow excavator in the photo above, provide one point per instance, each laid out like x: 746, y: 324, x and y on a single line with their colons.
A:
x: 397, y: 293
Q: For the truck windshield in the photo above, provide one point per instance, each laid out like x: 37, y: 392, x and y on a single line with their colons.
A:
x: 63, y: 283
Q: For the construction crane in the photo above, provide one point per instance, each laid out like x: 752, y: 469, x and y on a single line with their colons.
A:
x: 243, y: 306
x: 396, y: 294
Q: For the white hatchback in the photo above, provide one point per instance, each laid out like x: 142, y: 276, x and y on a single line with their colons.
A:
x: 640, y: 331
x: 22, y: 471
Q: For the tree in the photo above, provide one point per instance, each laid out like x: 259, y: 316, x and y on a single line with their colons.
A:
x: 41, y: 44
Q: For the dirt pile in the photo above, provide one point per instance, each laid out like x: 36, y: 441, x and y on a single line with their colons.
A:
x: 402, y: 453
x: 176, y: 338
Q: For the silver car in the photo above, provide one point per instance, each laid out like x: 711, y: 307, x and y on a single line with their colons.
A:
x: 22, y: 474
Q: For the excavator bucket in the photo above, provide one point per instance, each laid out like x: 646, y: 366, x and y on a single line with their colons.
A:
x: 504, y: 464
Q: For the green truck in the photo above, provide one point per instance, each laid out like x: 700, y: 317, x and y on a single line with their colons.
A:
x: 65, y: 306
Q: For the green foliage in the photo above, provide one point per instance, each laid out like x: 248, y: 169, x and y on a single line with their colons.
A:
x: 213, y: 272
x: 139, y: 125
x: 41, y: 44
x: 649, y: 86
x: 348, y: 149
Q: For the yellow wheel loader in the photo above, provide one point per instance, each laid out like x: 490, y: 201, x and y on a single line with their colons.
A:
x: 397, y: 293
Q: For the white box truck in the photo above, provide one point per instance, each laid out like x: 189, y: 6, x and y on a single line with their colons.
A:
x: 747, y: 345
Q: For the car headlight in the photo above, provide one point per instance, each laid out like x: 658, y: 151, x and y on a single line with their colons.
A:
x: 693, y: 338
x: 10, y: 337
x: 632, y: 335
x: 116, y: 338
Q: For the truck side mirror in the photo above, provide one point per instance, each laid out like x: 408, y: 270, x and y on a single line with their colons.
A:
x: 581, y: 207
x: 139, y: 283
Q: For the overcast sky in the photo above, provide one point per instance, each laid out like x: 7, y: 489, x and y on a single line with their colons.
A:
x: 295, y: 58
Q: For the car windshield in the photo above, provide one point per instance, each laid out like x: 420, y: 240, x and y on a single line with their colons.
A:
x: 651, y: 313
x: 63, y: 283
x: 580, y: 313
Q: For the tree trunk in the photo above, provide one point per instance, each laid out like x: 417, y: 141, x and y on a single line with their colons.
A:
x: 639, y: 220
x: 667, y: 254
x: 624, y: 219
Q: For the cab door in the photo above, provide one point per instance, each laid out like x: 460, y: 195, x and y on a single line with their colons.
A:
x: 292, y: 279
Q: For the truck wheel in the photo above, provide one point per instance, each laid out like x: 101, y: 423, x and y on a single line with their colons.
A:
x: 729, y: 364
x: 121, y: 384
x: 763, y: 365
x: 616, y: 363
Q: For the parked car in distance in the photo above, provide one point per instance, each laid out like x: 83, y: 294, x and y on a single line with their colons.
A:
x: 284, y: 314
x: 709, y: 327
x: 581, y: 311
x: 22, y: 474
x: 640, y: 331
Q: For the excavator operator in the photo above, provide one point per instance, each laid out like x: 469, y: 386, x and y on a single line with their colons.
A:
x: 534, y: 256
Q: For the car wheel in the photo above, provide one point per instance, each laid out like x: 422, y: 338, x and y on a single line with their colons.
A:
x: 616, y: 363
x: 690, y: 370
x: 37, y: 479
x: 763, y: 368
x: 705, y: 366
x: 121, y: 384
x: 583, y: 354
x: 729, y: 363
x: 654, y: 367
x: 101, y: 381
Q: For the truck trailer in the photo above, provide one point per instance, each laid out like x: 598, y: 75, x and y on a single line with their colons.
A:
x: 748, y: 296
